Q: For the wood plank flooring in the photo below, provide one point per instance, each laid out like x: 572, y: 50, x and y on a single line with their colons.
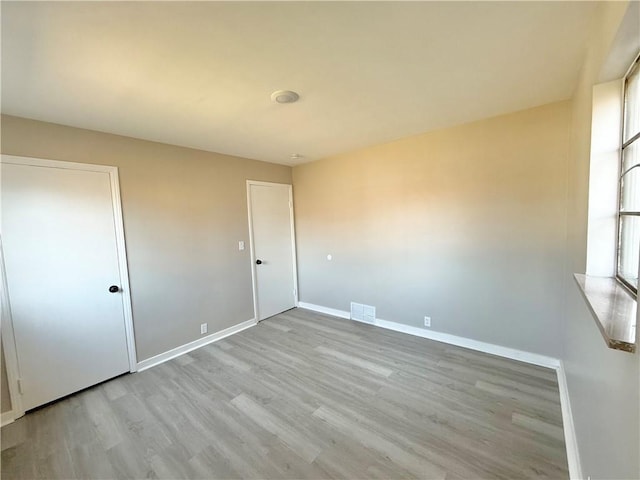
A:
x: 303, y: 395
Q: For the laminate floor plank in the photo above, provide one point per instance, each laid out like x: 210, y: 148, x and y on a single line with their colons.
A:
x: 484, y: 361
x: 303, y: 395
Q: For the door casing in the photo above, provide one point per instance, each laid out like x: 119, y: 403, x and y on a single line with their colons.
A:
x: 254, y: 279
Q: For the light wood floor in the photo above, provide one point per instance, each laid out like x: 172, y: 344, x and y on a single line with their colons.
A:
x: 303, y: 395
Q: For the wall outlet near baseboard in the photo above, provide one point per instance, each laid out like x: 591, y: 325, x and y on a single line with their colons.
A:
x: 427, y: 321
x: 203, y: 328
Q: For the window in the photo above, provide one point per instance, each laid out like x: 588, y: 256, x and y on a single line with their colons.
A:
x: 628, y: 257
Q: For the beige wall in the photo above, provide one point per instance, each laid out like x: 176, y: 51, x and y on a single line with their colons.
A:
x: 184, y: 213
x: 603, y: 383
x: 466, y: 225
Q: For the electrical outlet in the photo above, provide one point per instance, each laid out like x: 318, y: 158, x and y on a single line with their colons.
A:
x: 427, y: 321
x: 241, y: 245
x: 203, y: 328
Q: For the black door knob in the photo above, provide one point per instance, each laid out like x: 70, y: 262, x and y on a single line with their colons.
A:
x: 258, y: 262
x: 114, y: 289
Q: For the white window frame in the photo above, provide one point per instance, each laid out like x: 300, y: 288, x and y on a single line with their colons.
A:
x: 635, y: 65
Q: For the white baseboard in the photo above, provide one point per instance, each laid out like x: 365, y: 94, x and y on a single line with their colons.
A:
x: 326, y: 310
x: 570, y: 438
x: 7, y: 418
x: 485, y: 347
x: 188, y: 347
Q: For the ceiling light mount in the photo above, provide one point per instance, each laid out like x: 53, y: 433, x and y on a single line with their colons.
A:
x: 284, y: 96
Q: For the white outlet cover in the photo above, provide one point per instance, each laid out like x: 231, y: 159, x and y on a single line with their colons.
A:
x: 241, y: 245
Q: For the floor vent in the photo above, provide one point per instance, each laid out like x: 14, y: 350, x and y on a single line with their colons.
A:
x: 363, y: 313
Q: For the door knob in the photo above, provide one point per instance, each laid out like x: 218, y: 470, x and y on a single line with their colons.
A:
x: 114, y: 289
x: 258, y: 262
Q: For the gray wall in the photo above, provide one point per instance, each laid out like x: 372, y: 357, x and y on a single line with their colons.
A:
x: 466, y: 225
x: 603, y: 383
x: 184, y: 212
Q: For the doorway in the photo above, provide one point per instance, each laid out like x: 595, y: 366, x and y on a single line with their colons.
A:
x: 273, y: 253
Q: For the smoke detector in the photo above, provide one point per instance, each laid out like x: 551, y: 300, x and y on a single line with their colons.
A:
x: 284, y: 96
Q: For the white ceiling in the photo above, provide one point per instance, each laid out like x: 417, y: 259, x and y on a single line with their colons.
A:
x: 201, y: 74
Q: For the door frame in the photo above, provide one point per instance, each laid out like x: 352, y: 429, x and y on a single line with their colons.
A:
x: 254, y: 280
x: 9, y: 347
x: 8, y: 339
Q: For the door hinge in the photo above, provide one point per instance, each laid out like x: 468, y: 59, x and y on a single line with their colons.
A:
x: 20, y: 386
x: 295, y: 292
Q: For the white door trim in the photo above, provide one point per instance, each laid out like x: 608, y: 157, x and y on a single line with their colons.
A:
x: 252, y: 249
x: 9, y: 343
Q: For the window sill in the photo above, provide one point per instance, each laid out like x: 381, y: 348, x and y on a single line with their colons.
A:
x: 613, y: 308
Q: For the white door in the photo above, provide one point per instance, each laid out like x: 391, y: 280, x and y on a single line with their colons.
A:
x: 271, y: 218
x: 61, y: 260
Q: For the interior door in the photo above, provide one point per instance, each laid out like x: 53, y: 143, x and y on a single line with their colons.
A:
x: 271, y: 215
x: 63, y: 279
